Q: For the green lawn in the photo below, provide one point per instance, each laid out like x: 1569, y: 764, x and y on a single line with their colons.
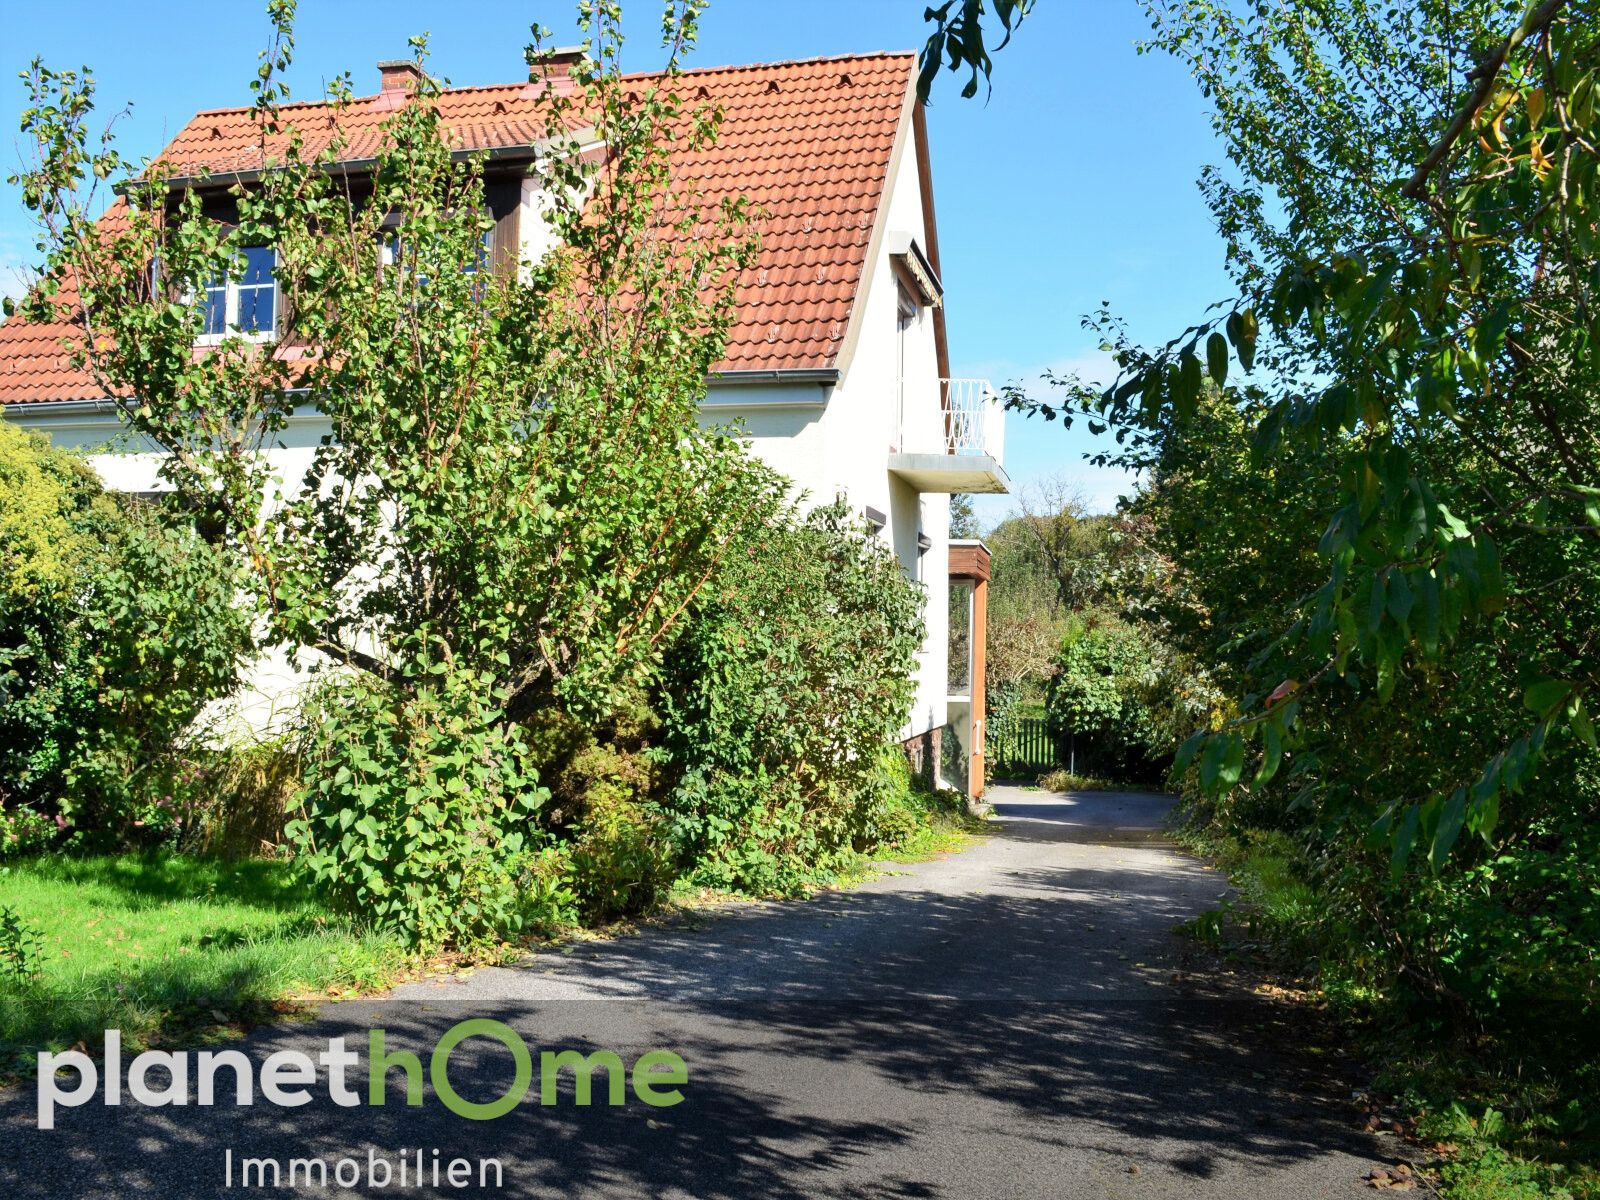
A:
x: 160, y: 946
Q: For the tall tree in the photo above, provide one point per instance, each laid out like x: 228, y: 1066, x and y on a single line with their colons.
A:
x: 516, y: 483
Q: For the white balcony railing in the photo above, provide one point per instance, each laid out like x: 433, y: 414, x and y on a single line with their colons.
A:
x: 960, y: 449
x: 975, y: 418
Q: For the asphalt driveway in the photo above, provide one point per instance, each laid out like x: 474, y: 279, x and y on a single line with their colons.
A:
x: 1014, y: 1021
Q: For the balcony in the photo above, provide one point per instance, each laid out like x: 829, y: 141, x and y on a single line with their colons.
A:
x: 973, y: 437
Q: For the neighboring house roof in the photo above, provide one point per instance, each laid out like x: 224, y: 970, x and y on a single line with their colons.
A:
x: 35, y: 366
x: 810, y: 143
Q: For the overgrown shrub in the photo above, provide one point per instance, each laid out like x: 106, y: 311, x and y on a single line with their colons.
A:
x: 895, y: 807
x: 1062, y: 780
x: 1104, y: 694
x: 791, y: 677
x: 24, y: 831
x: 116, y: 628
x: 603, y: 780
x: 234, y: 798
x: 416, y: 807
x: 619, y: 865
x: 900, y: 811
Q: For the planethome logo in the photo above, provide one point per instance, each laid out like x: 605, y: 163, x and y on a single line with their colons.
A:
x: 287, y: 1078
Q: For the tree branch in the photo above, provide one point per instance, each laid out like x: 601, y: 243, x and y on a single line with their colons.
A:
x: 1535, y: 20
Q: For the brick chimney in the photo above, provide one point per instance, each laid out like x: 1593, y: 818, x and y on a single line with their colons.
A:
x: 555, y: 69
x: 399, y: 76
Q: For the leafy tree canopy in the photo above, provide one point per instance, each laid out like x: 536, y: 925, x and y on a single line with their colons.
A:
x: 1408, y: 217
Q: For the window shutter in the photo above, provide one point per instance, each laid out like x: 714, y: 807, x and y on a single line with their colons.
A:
x: 504, y: 198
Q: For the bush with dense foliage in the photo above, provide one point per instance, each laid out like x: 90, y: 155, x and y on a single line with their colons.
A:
x: 116, y: 629
x: 608, y: 849
x: 417, y: 807
x: 1105, y: 695
x: 791, y: 677
x: 1492, y: 947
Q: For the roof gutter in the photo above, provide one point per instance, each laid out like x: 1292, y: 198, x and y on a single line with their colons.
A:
x: 823, y: 376
x: 61, y: 408
x: 84, y: 408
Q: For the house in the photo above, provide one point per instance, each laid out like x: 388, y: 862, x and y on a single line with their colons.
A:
x: 838, y: 363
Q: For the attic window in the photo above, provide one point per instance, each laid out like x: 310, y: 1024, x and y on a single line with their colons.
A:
x: 396, y: 253
x: 246, y: 305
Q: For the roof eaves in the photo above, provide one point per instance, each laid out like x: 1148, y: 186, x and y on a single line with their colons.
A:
x: 522, y: 152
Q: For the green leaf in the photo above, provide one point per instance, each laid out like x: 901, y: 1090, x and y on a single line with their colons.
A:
x: 1448, y: 830
x: 1186, y: 390
x: 1543, y: 697
x: 1583, y: 726
x: 1400, y: 597
x: 1217, y: 358
x: 1216, y: 752
x: 1242, y: 331
x: 1428, y: 627
x: 1190, y: 747
x: 1272, y: 751
x: 1405, y: 838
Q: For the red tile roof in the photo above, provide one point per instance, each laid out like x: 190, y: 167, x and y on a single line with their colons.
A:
x: 35, y: 366
x: 808, y: 142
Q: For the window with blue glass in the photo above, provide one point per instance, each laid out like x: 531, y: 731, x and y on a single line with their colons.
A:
x: 393, y: 253
x: 247, y: 304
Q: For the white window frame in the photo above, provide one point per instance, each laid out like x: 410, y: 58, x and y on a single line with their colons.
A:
x: 230, y: 308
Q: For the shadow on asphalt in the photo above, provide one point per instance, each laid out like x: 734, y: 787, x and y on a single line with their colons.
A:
x: 1085, y: 818
x: 1042, y: 1010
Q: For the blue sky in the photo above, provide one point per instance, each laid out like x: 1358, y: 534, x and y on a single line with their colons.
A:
x: 1074, y: 184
